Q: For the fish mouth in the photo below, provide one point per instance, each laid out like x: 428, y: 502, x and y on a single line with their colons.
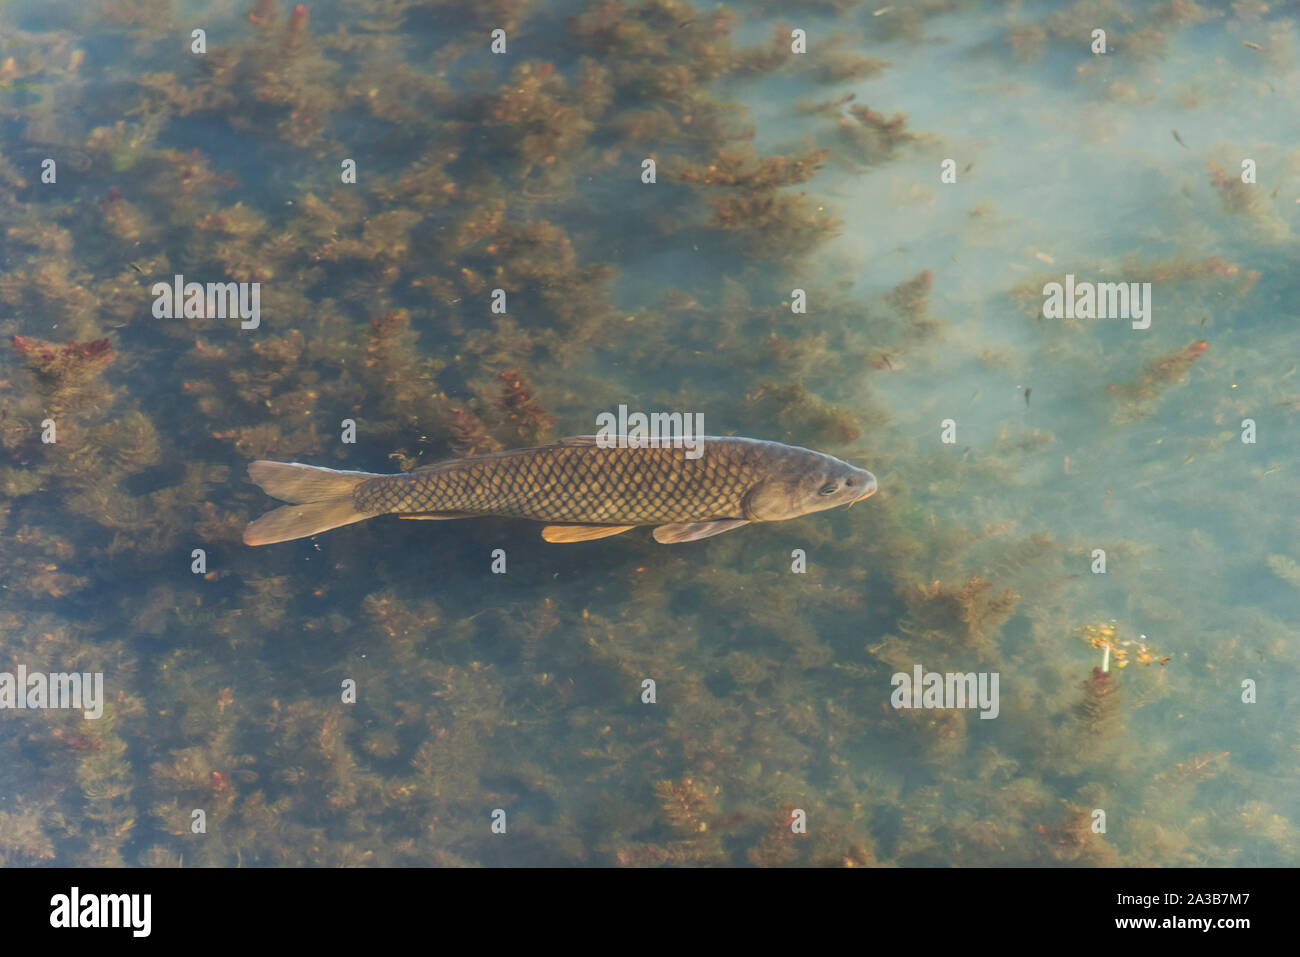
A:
x: 869, y: 491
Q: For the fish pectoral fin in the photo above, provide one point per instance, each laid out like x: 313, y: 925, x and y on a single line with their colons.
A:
x: 436, y: 516
x: 694, y: 531
x: 582, y: 533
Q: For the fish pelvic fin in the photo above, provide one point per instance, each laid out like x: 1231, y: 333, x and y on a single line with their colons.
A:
x: 321, y: 499
x: 582, y: 533
x: 694, y: 531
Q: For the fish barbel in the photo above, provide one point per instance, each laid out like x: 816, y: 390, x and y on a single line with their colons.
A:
x: 583, y: 487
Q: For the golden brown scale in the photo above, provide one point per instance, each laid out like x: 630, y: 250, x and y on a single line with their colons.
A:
x: 582, y: 484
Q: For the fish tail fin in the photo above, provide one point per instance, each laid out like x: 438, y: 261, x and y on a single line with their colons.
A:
x: 321, y: 499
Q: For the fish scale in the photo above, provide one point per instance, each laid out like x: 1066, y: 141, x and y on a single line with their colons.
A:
x: 576, y: 483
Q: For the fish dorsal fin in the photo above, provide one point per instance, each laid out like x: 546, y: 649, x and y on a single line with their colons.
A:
x: 694, y: 531
x: 435, y: 465
x: 631, y: 442
x: 576, y: 440
x: 582, y: 533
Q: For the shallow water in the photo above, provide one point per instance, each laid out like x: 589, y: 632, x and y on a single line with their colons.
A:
x: 519, y: 697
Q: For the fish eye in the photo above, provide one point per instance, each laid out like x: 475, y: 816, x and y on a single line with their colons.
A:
x: 830, y: 489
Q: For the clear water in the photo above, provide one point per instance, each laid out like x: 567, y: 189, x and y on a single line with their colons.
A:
x: 518, y: 697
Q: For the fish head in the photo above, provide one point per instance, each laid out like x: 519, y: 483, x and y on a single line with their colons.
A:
x: 805, y: 482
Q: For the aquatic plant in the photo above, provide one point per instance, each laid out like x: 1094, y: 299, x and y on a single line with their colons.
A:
x: 963, y: 616
x: 1099, y: 711
x: 61, y: 367
x: 1137, y: 397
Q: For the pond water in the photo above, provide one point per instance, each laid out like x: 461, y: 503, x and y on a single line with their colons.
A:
x: 830, y: 224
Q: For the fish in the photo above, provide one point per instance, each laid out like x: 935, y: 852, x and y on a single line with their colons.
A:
x: 584, y: 487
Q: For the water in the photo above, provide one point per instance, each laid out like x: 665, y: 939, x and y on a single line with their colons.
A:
x: 521, y: 696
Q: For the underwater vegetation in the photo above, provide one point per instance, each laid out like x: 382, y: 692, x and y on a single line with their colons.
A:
x: 124, y: 439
